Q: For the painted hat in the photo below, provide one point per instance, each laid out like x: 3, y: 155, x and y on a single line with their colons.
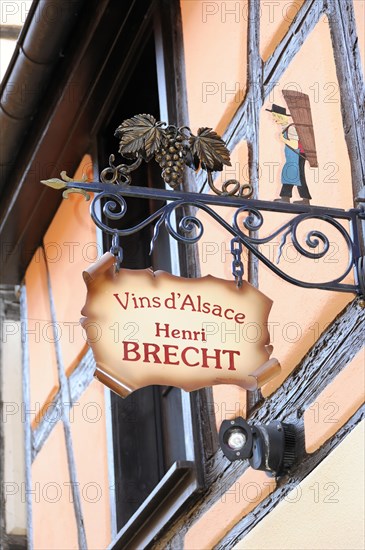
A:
x: 278, y: 110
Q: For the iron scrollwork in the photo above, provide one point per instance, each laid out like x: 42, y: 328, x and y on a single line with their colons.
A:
x: 174, y: 148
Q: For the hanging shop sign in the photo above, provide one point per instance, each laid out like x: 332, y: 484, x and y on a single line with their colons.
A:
x: 148, y: 327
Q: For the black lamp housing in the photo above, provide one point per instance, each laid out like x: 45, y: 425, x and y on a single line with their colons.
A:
x: 268, y: 447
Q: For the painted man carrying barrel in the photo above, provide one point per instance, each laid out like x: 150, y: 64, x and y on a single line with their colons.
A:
x: 298, y: 138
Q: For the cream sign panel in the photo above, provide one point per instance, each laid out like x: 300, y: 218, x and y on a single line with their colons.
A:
x: 148, y: 327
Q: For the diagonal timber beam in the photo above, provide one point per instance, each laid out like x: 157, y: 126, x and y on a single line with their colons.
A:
x: 333, y: 351
x: 78, y: 381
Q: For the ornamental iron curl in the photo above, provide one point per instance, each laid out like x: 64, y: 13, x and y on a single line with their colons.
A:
x: 143, y: 138
x: 190, y: 228
x: 115, y: 208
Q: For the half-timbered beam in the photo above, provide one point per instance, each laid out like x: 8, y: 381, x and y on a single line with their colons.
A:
x: 352, y: 86
x: 335, y: 348
x: 78, y: 381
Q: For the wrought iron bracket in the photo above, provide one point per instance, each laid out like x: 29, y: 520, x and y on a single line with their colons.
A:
x: 142, y: 137
x: 112, y: 199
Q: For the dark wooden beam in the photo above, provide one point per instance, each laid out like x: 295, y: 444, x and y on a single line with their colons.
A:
x: 9, y: 311
x: 255, y: 97
x: 335, y: 348
x: 10, y: 32
x: 288, y: 483
x: 64, y: 128
x: 304, y: 22
x: 79, y: 381
x: 14, y: 542
x: 352, y: 86
x: 255, y: 94
x: 173, y: 96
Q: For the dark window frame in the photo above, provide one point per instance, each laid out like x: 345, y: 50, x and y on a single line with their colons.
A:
x: 184, y: 478
x: 96, y: 61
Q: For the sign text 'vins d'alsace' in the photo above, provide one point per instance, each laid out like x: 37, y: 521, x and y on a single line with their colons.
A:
x: 148, y: 327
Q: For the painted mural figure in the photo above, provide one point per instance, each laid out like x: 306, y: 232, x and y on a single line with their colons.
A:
x: 298, y: 139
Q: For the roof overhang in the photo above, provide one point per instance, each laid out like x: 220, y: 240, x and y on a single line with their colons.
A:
x: 50, y: 130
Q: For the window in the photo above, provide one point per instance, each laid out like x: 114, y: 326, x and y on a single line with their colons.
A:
x: 156, y: 433
x: 156, y: 445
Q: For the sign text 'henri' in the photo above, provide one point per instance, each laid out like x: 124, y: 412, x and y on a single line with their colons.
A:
x: 173, y: 354
x: 171, y: 313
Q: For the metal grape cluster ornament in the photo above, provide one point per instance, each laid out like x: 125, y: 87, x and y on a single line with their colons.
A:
x: 172, y: 147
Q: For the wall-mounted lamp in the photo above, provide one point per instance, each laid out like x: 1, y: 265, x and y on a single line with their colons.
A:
x: 269, y: 447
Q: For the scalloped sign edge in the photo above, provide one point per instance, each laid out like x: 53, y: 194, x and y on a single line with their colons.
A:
x: 148, y: 328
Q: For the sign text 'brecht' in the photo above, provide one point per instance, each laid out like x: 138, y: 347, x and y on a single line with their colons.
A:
x: 155, y: 328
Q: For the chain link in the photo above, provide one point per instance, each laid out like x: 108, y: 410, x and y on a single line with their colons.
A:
x: 237, y: 265
x: 117, y: 251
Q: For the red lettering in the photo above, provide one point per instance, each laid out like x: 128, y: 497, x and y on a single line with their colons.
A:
x: 129, y: 348
x: 173, y: 356
x: 241, y: 316
x: 172, y: 300
x: 231, y: 354
x: 216, y: 357
x: 124, y: 306
x: 184, y: 359
x: 169, y: 354
x: 188, y: 302
x: 206, y: 307
x: 226, y: 314
x: 156, y: 301
x: 166, y: 330
x: 151, y: 349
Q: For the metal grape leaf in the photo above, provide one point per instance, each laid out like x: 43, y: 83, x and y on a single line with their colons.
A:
x: 139, y: 135
x: 209, y: 149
